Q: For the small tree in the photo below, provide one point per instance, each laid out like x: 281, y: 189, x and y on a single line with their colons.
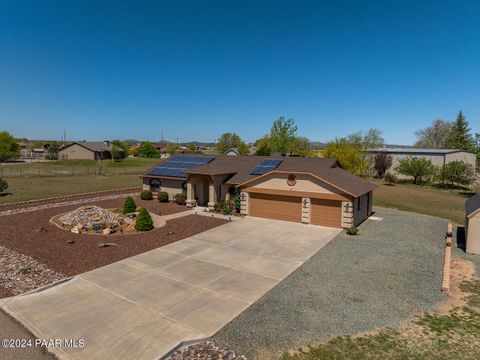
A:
x: 129, y: 205
x: 348, y: 154
x: 147, y: 150
x: 3, y: 185
x: 9, y: 148
x: 420, y: 168
x: 460, y: 136
x: 144, y: 221
x: 227, y: 141
x: 390, y: 178
x: 382, y: 162
x: 117, y: 153
x: 457, y: 173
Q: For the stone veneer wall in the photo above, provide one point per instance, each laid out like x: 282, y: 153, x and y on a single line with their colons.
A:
x: 347, y: 214
x: 306, y: 210
x: 244, y: 202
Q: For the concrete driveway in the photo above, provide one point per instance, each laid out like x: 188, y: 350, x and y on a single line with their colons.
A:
x: 144, y: 306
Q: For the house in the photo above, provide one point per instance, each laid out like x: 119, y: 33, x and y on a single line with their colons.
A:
x: 232, y: 152
x: 92, y: 150
x: 472, y: 224
x: 438, y: 157
x: 309, y: 190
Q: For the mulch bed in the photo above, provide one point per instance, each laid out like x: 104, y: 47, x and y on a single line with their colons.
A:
x: 32, y: 234
x: 4, y: 293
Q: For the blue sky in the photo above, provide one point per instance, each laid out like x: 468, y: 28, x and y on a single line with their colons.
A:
x: 196, y: 69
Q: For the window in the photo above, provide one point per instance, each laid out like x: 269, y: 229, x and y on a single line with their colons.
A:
x: 154, y: 185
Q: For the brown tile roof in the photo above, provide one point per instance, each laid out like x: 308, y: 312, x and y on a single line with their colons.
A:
x: 327, y: 169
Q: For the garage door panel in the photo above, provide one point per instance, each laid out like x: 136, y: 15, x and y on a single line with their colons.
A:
x: 326, y: 212
x: 287, y: 208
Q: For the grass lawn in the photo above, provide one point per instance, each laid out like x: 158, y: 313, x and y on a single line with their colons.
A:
x: 422, y: 199
x: 32, y: 188
x: 455, y: 335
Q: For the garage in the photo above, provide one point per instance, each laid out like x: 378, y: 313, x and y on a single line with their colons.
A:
x: 326, y: 212
x: 278, y: 207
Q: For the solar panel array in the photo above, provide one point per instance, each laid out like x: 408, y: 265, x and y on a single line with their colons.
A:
x: 266, y: 166
x: 176, y: 165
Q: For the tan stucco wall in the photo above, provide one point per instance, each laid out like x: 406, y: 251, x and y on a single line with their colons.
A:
x: 304, y: 183
x: 359, y: 215
x: 74, y: 152
x: 172, y: 187
x: 473, y: 234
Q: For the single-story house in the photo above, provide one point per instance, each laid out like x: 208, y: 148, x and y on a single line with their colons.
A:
x: 472, y: 224
x: 309, y: 190
x: 92, y: 150
x: 438, y: 157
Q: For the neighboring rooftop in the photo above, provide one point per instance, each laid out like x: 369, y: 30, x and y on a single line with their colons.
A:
x: 472, y: 205
x: 91, y: 145
x: 416, y: 151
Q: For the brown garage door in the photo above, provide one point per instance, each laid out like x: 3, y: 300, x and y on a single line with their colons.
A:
x: 326, y: 212
x: 279, y: 207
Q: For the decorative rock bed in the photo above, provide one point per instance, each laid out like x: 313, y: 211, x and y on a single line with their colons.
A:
x: 96, y: 220
x: 20, y: 273
x: 204, y: 351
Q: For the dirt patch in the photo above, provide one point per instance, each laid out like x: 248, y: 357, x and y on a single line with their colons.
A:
x: 32, y: 234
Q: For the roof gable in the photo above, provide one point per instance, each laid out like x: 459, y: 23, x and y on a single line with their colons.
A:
x: 472, y: 205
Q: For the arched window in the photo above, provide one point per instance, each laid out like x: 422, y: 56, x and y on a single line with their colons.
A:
x: 154, y: 185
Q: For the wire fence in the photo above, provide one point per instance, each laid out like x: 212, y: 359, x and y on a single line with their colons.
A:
x: 63, y: 170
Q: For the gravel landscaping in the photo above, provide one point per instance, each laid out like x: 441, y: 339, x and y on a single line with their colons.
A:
x: 387, y: 273
x: 204, y: 351
x: 31, y: 234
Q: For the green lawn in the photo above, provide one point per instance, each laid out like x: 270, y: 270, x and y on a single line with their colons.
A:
x: 32, y: 188
x: 432, y: 336
x: 422, y: 199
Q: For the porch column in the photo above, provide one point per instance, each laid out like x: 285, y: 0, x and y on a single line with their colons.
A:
x: 306, y: 209
x: 347, y: 214
x: 244, y: 199
x: 190, y: 195
x: 212, y: 196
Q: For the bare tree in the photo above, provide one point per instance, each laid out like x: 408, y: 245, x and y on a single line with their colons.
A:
x: 435, y: 136
x: 382, y: 162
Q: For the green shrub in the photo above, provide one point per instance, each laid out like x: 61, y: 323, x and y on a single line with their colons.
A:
x: 129, y: 205
x: 226, y: 209
x: 217, y: 207
x: 391, y: 178
x: 162, y: 196
x: 237, y: 203
x: 352, y: 230
x: 144, y: 221
x: 180, y: 198
x: 146, y: 195
x: 421, y: 169
x: 3, y: 185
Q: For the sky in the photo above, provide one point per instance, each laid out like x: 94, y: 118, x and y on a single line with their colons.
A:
x: 197, y: 69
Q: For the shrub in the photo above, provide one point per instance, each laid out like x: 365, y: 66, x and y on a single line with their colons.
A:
x: 237, y: 203
x: 3, y: 185
x: 162, y: 196
x: 352, y: 230
x: 146, y: 195
x: 456, y: 172
x: 217, y: 207
x: 144, y: 221
x: 226, y: 209
x: 382, y: 162
x: 129, y: 205
x: 180, y: 198
x: 391, y: 178
x: 420, y: 168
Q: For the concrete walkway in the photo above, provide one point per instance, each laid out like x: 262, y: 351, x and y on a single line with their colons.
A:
x: 144, y: 306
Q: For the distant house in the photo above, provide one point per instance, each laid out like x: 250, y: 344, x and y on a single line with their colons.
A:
x: 438, y: 157
x: 232, y: 152
x: 101, y: 150
x: 472, y: 224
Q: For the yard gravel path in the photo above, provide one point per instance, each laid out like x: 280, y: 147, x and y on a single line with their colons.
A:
x: 384, y: 275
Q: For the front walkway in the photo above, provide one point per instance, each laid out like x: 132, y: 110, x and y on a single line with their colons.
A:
x: 144, y: 306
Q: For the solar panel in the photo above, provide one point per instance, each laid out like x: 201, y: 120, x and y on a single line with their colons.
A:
x: 176, y: 165
x: 266, y: 166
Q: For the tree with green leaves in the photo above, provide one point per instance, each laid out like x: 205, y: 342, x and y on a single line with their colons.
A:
x: 301, y: 146
x: 191, y: 147
x: 147, y: 150
x: 172, y: 148
x: 460, y: 136
x: 282, y: 135
x: 349, y: 154
x: 117, y: 153
x: 129, y: 205
x: 435, y: 136
x: 9, y: 148
x: 123, y: 145
x: 263, y: 147
x: 420, y: 168
x: 227, y: 141
x: 456, y: 173
x: 52, y: 151
x: 243, y: 149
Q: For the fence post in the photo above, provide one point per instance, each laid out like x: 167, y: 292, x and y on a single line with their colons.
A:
x: 447, y: 258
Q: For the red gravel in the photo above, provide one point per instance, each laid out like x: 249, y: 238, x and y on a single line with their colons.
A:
x: 4, y: 293
x: 23, y: 233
